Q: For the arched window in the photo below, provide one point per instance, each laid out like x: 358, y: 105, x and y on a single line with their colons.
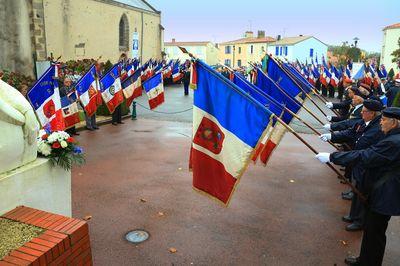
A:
x: 123, y: 33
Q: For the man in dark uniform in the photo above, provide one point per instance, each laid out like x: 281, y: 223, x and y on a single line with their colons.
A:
x: 392, y: 92
x: 381, y: 181
x: 361, y: 136
x: 355, y: 114
x: 343, y: 107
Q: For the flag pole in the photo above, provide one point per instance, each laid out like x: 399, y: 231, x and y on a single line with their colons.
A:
x: 301, y: 88
x: 293, y: 114
x: 320, y: 97
x: 293, y: 100
x: 340, y: 176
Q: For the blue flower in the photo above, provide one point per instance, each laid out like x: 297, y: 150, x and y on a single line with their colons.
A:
x: 78, y: 150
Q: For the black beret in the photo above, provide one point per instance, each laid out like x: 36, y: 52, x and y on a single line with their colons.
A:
x: 391, y: 112
x: 373, y: 105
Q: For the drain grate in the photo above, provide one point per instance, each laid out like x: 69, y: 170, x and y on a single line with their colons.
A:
x: 137, y: 236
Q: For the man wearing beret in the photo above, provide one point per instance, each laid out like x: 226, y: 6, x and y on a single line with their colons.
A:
x: 344, y: 106
x: 361, y: 136
x: 355, y: 113
x: 381, y: 183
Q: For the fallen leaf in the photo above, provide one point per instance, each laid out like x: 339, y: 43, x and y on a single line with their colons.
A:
x: 160, y: 214
x: 143, y: 200
x: 180, y: 168
x: 172, y: 250
x: 87, y: 217
x: 343, y: 242
x: 80, y: 174
x: 291, y: 181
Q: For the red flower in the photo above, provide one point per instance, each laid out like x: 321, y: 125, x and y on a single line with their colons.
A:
x: 71, y: 140
x: 56, y: 145
x: 44, y: 137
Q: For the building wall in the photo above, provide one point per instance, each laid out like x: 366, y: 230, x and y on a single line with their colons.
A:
x: 242, y: 52
x: 301, y: 50
x: 77, y: 29
x: 390, y: 43
x: 208, y: 53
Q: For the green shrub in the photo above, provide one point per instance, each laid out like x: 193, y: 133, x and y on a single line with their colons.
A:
x: 103, y: 110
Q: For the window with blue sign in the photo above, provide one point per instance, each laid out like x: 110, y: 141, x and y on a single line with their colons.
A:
x: 311, y: 52
x: 286, y: 50
x: 276, y: 50
x: 227, y: 49
x: 280, y: 50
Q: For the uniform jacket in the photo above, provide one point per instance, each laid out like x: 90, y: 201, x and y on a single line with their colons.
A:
x: 379, y: 160
x: 344, y: 110
x: 391, y: 94
x: 355, y: 117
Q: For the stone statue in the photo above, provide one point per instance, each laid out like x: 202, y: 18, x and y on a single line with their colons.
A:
x: 18, y: 129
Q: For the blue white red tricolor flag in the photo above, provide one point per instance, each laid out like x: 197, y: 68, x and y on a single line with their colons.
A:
x: 176, y: 73
x: 132, y: 87
x: 154, y: 88
x: 227, y: 125
x: 70, y: 109
x: 111, y: 89
x: 45, y: 99
x: 88, y: 88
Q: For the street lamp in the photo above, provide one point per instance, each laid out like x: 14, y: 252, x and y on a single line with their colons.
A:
x: 355, y: 41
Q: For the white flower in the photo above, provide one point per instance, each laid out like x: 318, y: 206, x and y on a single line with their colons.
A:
x: 64, y: 144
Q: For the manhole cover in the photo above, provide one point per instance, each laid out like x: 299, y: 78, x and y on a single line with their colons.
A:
x: 137, y: 236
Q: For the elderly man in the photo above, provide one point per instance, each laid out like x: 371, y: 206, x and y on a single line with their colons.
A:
x: 361, y: 136
x: 344, y: 106
x: 355, y: 114
x: 381, y: 182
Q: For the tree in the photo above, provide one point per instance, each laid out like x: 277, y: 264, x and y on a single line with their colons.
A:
x: 354, y: 53
x: 396, y: 53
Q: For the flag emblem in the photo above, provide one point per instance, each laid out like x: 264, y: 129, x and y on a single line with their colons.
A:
x: 92, y: 92
x: 49, y: 109
x: 112, y: 90
x: 209, y: 136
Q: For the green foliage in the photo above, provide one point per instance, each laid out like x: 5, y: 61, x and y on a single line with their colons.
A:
x: 354, y: 53
x: 396, y: 53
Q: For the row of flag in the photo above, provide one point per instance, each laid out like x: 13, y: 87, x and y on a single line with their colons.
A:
x: 125, y: 80
x: 329, y: 74
x: 236, y: 121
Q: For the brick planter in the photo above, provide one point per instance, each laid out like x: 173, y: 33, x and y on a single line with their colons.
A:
x: 65, y: 241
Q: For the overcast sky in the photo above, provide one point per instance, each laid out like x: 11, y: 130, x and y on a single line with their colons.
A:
x: 332, y: 21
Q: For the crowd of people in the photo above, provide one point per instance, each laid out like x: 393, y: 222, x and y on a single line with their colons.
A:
x: 369, y: 136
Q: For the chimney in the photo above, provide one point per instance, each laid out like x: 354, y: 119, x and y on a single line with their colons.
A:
x: 173, y: 39
x: 278, y: 38
x: 261, y: 34
x: 248, y: 34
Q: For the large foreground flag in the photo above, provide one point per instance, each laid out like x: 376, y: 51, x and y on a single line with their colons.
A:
x: 45, y: 99
x: 132, y: 87
x: 88, y: 88
x: 154, y: 88
x: 111, y: 89
x: 227, y: 125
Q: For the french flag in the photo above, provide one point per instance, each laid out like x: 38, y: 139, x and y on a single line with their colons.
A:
x: 88, y: 90
x: 132, y: 87
x: 176, y: 73
x: 111, y: 89
x: 227, y: 125
x: 167, y: 71
x: 70, y: 110
x: 154, y: 88
x: 45, y: 99
x: 334, y: 81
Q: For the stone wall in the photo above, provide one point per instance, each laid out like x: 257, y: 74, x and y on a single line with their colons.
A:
x: 15, y: 36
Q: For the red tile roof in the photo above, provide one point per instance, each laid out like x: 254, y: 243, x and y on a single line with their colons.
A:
x: 394, y: 26
x: 186, y: 43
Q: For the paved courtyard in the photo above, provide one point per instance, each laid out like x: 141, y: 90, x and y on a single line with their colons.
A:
x: 136, y: 177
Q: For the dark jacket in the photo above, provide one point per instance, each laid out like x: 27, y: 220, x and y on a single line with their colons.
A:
x: 380, y: 160
x: 360, y: 136
x: 354, y: 118
x: 391, y: 94
x: 344, y: 110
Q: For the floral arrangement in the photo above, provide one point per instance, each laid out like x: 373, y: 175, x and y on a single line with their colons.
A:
x: 60, y: 148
